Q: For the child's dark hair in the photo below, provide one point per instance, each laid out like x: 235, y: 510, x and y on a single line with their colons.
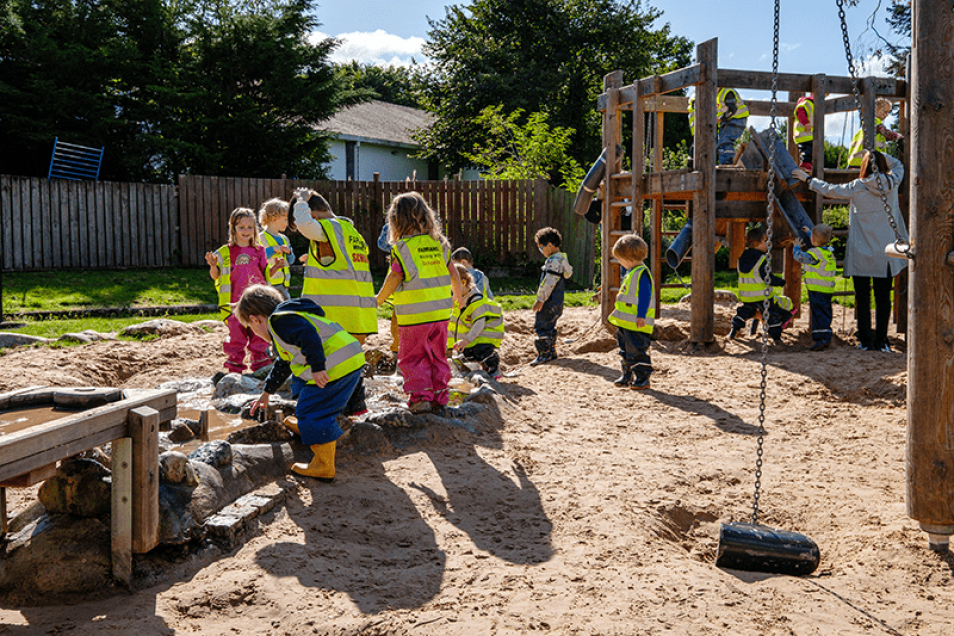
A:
x: 632, y: 247
x: 867, y: 169
x: 548, y: 235
x: 755, y: 236
x: 462, y: 254
x: 257, y: 300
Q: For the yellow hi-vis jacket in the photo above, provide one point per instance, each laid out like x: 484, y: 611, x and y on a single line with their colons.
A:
x: 477, y: 307
x: 343, y: 353
x: 282, y: 276
x: 624, y: 315
x: 741, y: 110
x: 801, y: 132
x: 752, y: 287
x: 425, y: 293
x: 857, y: 150
x: 343, y: 288
x: 223, y: 284
x: 821, y: 276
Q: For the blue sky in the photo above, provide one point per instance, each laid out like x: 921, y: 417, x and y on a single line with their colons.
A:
x: 388, y: 32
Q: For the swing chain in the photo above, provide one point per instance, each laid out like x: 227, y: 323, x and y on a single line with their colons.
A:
x: 767, y: 303
x: 900, y: 243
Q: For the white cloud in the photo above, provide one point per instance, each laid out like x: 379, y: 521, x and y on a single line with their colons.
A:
x: 379, y: 48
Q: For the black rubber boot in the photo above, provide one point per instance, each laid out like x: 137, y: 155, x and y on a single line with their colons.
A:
x: 546, y: 351
x: 626, y: 378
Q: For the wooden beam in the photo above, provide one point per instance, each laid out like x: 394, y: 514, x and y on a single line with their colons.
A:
x: 121, y: 518
x: 764, y: 109
x: 655, y: 85
x: 666, y: 104
x: 802, y: 83
x: 929, y: 457
x: 143, y: 425
x: 840, y: 104
x: 702, y: 327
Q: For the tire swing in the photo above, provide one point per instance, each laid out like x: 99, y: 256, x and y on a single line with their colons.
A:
x: 752, y: 546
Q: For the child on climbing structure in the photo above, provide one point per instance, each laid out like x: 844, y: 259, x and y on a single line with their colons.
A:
x: 476, y: 327
x: 325, y: 359
x: 463, y: 256
x: 234, y: 267
x: 549, y: 304
x: 273, y: 217
x: 753, y: 272
x: 634, y: 313
x: 883, y: 134
x: 818, y: 267
x: 420, y: 283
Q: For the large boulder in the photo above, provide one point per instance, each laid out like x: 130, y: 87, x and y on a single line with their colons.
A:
x: 80, y: 487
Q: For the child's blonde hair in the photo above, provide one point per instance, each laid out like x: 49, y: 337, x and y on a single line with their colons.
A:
x: 237, y: 215
x: 466, y: 280
x: 632, y: 247
x: 409, y: 214
x: 256, y: 300
x: 823, y: 232
x: 883, y: 105
x: 271, y: 210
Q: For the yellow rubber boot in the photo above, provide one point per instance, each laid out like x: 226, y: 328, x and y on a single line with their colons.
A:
x: 291, y: 423
x: 322, y: 467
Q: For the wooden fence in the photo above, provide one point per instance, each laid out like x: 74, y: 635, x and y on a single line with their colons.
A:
x: 78, y: 224
x: 63, y: 224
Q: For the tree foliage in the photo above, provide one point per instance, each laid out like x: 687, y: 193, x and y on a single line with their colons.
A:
x: 220, y: 87
x: 537, y: 55
x: 393, y: 84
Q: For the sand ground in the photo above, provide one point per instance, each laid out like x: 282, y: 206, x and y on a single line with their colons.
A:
x: 589, y: 509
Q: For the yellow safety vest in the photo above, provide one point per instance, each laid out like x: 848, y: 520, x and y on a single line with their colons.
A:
x: 343, y: 288
x: 627, y: 301
x: 857, y: 151
x: 223, y: 284
x: 462, y: 321
x: 752, y: 287
x: 282, y: 276
x: 741, y: 110
x: 821, y: 276
x: 425, y: 293
x: 804, y: 133
x: 343, y: 353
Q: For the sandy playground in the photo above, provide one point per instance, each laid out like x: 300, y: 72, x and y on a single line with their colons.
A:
x: 587, y: 510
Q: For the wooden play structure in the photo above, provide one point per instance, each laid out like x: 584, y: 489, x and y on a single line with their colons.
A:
x: 725, y: 198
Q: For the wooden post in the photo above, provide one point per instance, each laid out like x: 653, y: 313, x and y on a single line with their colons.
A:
x: 900, y: 307
x: 704, y: 201
x: 819, y: 85
x: 930, y: 431
x: 611, y: 85
x: 793, y: 280
x: 143, y: 423
x: 868, y: 104
x: 736, y: 242
x: 122, y: 510
x: 790, y: 131
x: 658, y: 214
x: 3, y: 512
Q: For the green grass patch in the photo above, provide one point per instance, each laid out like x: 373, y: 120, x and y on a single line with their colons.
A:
x: 56, y: 328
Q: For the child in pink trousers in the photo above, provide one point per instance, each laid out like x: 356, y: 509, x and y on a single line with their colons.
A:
x: 235, y: 267
x: 420, y: 284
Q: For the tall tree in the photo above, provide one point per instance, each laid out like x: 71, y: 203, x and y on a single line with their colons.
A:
x: 539, y: 56
x: 393, y: 84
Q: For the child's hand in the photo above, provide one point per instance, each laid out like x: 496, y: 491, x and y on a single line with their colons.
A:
x: 212, y: 259
x: 800, y: 174
x: 640, y: 322
x: 460, y: 345
x: 260, y: 403
x: 303, y: 259
x: 283, y: 249
x: 537, y: 306
x: 321, y: 379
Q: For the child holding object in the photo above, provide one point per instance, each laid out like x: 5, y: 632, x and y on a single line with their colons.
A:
x: 325, y: 359
x: 420, y: 283
x: 234, y: 267
x: 273, y: 217
x: 463, y: 256
x: 635, y: 312
x: 818, y: 267
x: 476, y: 327
x: 549, y: 304
x: 753, y: 282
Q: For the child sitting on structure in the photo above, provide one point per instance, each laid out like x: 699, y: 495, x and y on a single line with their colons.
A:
x: 753, y: 283
x: 325, y: 359
x: 818, y: 267
x: 273, y: 217
x: 476, y: 329
x: 635, y: 312
x: 463, y: 256
x: 549, y: 304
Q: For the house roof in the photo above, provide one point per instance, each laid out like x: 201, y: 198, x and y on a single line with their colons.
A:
x: 380, y: 122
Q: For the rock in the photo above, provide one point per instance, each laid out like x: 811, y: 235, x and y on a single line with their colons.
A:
x: 394, y: 418
x: 85, y: 397
x: 236, y: 404
x: 175, y: 468
x: 80, y: 487
x: 484, y: 394
x: 367, y: 438
x: 161, y: 327
x: 670, y: 330
x: 189, y: 385
x: 9, y: 339
x: 180, y: 432
x: 216, y: 453
x: 275, y: 403
x: 75, y: 337
x: 265, y: 433
x: 209, y: 325
x: 720, y: 296
x: 176, y: 523
x: 235, y: 384
x: 99, y: 454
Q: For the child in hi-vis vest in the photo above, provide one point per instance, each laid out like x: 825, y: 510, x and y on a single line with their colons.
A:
x: 420, y: 283
x: 635, y: 312
x: 476, y: 327
x: 818, y: 274
x: 273, y: 217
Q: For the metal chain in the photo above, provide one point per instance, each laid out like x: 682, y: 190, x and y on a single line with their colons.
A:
x: 901, y: 245
x: 767, y: 303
